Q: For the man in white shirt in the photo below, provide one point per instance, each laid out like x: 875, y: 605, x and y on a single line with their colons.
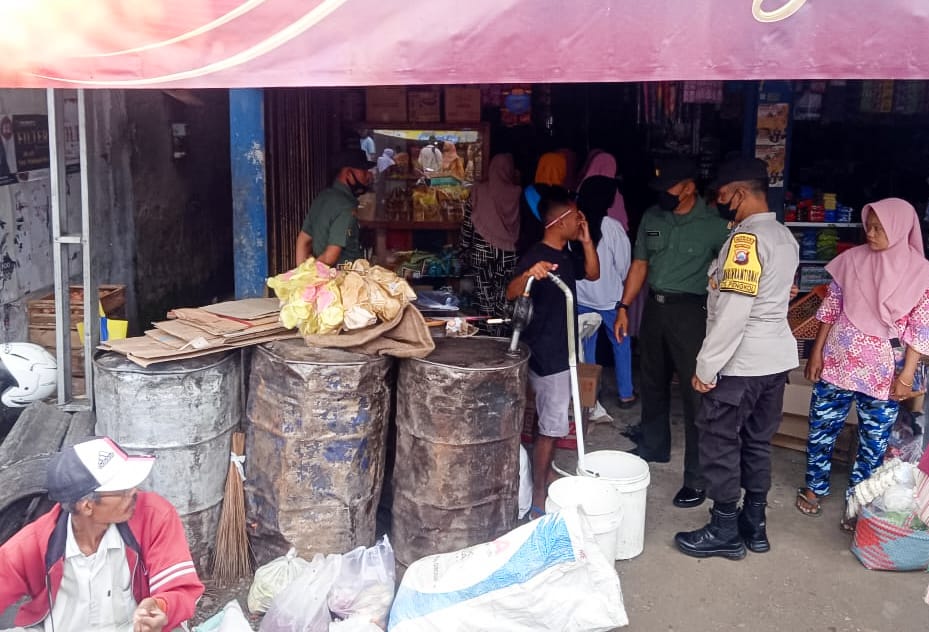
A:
x: 107, y: 558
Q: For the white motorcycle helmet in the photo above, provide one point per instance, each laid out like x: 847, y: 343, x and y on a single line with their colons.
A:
x: 28, y: 373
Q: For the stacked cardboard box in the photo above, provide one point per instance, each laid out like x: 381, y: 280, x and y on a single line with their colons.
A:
x: 193, y: 332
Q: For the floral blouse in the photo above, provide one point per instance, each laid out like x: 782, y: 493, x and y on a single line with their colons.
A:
x: 855, y: 361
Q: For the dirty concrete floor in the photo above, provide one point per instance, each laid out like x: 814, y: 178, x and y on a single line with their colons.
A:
x: 809, y: 581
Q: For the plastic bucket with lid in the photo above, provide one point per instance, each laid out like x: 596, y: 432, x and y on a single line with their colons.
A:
x: 628, y: 474
x: 600, y: 502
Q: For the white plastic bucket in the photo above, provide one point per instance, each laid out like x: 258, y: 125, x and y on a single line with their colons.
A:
x: 599, y: 501
x: 629, y: 476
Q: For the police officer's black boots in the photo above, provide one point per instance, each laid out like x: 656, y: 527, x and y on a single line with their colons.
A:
x: 752, y: 525
x: 720, y: 538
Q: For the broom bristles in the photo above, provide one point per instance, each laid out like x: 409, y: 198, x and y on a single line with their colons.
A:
x: 232, y: 558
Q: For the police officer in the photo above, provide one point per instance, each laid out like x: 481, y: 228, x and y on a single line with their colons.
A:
x: 743, y: 364
x: 676, y: 242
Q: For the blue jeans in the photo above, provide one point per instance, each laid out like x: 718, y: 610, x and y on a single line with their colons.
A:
x: 622, y: 351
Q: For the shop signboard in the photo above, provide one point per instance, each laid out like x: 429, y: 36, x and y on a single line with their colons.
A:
x: 231, y: 43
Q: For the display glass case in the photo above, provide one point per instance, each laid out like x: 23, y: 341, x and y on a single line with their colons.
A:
x: 425, y: 175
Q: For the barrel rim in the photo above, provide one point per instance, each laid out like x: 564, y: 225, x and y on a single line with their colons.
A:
x: 131, y: 367
x: 366, y: 361
x: 524, y: 351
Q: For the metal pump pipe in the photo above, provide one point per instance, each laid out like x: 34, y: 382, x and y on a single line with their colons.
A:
x: 572, y: 368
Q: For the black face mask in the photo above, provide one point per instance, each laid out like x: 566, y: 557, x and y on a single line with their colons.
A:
x: 668, y: 201
x: 358, y: 189
x: 726, y: 210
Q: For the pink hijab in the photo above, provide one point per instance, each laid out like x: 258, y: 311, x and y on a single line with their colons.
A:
x: 495, y: 204
x: 600, y: 163
x: 881, y: 287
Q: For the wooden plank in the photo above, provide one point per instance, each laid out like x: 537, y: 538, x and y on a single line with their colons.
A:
x: 40, y: 429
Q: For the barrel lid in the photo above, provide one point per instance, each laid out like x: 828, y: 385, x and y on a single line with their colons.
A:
x: 298, y: 352
x: 477, y: 353
x: 116, y: 362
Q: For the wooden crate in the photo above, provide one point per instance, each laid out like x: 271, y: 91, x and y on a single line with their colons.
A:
x: 794, y: 430
x: 42, y: 310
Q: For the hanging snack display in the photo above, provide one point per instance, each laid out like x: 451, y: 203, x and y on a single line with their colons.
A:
x: 316, y: 299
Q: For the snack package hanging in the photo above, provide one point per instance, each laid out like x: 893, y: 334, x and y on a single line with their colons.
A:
x: 546, y: 576
x: 272, y: 578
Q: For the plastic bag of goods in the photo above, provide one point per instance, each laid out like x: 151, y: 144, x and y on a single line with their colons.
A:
x: 365, y: 587
x: 229, y: 619
x: 548, y: 575
x: 354, y: 625
x: 525, y: 483
x: 302, y: 606
x: 272, y: 578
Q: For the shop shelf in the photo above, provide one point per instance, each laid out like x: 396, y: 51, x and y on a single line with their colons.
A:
x: 822, y: 225
x: 392, y: 225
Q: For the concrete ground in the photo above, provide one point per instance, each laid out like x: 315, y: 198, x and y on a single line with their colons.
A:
x: 809, y: 581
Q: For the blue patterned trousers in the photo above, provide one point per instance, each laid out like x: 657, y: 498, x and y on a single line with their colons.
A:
x: 829, y: 407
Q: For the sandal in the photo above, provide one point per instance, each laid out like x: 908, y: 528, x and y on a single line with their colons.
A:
x: 848, y: 525
x: 535, y: 513
x: 808, y: 506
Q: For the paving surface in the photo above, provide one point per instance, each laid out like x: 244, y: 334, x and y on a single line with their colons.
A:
x: 809, y: 581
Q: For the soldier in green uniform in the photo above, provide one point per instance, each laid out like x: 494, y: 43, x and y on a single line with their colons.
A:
x: 330, y: 230
x: 677, y: 240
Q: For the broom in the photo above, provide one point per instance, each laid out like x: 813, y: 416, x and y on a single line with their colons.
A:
x: 232, y: 558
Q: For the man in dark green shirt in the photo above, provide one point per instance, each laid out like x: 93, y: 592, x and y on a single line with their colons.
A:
x: 330, y: 231
x: 677, y: 240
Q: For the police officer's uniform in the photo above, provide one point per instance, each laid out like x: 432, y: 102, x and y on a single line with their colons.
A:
x: 747, y: 353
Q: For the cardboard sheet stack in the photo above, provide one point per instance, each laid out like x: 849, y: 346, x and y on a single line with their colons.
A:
x: 194, y: 332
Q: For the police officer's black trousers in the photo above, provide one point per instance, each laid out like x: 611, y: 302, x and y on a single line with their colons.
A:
x: 736, y: 423
x: 669, y: 341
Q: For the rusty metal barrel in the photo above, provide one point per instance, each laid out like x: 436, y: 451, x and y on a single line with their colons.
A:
x: 459, y: 416
x: 184, y: 412
x: 317, y: 424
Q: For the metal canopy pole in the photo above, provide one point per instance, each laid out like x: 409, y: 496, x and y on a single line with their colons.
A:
x: 62, y: 239
x: 91, y: 298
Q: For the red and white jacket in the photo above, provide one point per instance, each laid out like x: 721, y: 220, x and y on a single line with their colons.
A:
x: 32, y: 562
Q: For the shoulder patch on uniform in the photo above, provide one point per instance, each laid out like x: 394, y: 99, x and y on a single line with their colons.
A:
x: 742, y: 269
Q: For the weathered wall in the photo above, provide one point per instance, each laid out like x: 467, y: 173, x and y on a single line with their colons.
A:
x: 161, y: 227
x: 25, y: 229
x: 183, y: 207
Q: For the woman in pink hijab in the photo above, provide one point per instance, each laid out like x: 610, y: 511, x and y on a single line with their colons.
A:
x: 490, y: 231
x: 600, y: 163
x: 874, y: 326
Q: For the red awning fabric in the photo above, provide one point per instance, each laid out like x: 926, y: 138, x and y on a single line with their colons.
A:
x: 252, y: 43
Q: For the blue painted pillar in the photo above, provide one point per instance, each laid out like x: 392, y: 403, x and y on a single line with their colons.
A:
x: 249, y: 199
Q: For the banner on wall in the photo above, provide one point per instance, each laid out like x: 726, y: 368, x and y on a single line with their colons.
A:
x: 248, y: 43
x: 771, y: 140
x: 24, y: 153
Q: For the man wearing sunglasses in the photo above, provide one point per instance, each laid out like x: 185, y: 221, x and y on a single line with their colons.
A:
x: 107, y: 557
x: 547, y: 333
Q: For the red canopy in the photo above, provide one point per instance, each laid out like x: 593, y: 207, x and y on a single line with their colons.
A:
x: 238, y: 43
